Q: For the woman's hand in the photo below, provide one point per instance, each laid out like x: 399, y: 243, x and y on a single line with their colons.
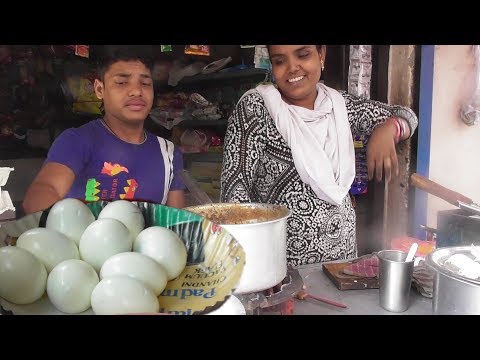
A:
x: 381, y: 151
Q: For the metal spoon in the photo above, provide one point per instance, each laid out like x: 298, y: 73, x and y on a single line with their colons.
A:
x: 411, y: 252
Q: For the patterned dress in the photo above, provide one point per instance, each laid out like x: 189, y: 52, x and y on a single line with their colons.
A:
x: 258, y: 167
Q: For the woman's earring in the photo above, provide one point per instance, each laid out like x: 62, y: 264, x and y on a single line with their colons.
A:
x: 323, y: 66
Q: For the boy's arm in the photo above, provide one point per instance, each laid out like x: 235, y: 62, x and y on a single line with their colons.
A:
x: 50, y: 185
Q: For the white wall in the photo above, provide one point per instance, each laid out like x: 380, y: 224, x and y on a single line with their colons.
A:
x: 455, y: 146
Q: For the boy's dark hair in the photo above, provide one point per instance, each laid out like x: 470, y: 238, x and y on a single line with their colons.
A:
x: 109, y: 54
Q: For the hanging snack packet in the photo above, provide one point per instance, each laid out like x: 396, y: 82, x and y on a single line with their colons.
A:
x: 82, y: 50
x: 261, y: 58
x: 197, y: 50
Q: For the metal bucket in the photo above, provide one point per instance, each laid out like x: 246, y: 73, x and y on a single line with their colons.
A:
x: 261, y: 229
x: 453, y: 294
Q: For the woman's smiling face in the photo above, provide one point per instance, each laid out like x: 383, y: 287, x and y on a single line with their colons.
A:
x: 297, y: 70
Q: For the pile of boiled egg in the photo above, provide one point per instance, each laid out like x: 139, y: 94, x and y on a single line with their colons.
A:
x: 113, y: 264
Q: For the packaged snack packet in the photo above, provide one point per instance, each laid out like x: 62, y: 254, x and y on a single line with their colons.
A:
x: 82, y: 50
x: 197, y: 50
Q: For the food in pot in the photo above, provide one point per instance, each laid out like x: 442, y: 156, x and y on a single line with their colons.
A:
x: 463, y: 265
x: 266, y: 260
x: 453, y: 293
x: 234, y: 214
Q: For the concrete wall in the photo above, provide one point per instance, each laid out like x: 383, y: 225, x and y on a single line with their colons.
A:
x: 455, y: 146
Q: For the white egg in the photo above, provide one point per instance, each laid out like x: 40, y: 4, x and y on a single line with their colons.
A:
x: 70, y: 217
x: 165, y: 247
x: 23, y: 277
x: 233, y: 306
x: 70, y: 285
x: 49, y: 246
x: 137, y: 266
x: 104, y: 238
x: 123, y: 295
x: 126, y: 212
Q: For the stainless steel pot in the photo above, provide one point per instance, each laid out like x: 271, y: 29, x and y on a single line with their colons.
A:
x: 453, y: 294
x: 261, y: 229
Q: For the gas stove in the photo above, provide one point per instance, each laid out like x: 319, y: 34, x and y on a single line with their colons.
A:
x: 278, y: 300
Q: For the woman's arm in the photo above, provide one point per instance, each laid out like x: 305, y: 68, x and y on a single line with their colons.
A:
x: 386, y: 125
x: 365, y: 115
x: 244, y: 142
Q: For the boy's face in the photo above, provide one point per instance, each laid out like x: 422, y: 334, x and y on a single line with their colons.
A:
x: 126, y: 91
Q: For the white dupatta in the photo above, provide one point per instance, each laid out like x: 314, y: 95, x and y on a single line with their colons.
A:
x: 320, y: 140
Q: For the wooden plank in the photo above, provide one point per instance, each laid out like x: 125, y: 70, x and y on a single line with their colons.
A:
x: 342, y: 281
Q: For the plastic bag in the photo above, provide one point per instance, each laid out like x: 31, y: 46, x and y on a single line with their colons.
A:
x: 83, y: 98
x: 194, y: 141
x: 470, y: 111
x: 360, y: 70
x: 5, y: 200
x: 261, y: 58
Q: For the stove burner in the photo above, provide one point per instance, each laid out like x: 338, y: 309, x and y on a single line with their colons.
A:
x: 277, y: 300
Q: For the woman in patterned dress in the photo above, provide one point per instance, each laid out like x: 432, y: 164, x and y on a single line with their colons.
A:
x: 291, y: 144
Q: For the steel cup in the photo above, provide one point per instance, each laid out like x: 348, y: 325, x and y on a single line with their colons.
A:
x: 395, y: 277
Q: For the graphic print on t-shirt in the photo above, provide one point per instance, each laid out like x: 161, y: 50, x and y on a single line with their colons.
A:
x: 116, y: 179
x: 129, y: 190
x: 113, y: 169
x: 91, y: 190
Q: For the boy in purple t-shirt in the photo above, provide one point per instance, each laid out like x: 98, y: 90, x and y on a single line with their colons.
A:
x: 114, y: 157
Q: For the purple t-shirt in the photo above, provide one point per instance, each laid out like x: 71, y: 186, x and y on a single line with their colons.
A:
x: 107, y: 168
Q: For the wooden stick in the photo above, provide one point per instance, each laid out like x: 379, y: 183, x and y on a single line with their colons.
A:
x: 302, y: 295
x: 438, y: 190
